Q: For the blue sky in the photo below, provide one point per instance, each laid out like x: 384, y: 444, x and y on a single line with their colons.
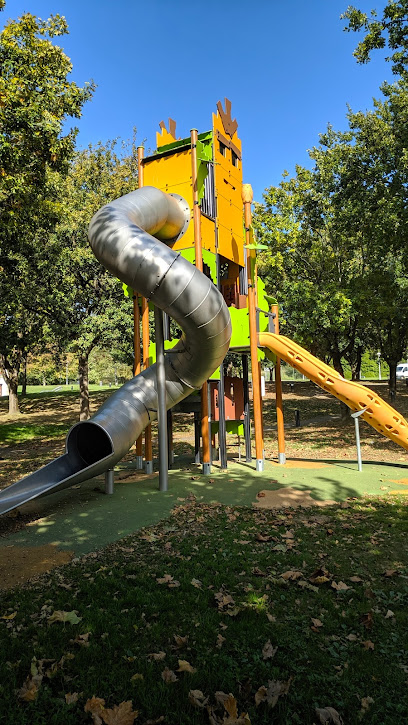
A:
x: 286, y: 65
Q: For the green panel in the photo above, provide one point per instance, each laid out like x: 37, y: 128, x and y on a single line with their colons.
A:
x: 184, y: 142
x: 208, y: 258
x: 235, y: 427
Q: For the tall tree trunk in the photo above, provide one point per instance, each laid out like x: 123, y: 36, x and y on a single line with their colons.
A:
x: 344, y: 409
x: 356, y: 366
x: 392, y: 382
x: 11, y: 372
x: 84, y: 407
x: 24, y: 375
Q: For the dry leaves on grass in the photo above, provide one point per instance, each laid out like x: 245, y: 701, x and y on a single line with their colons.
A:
x: 268, y: 650
x: 156, y: 656
x: 168, y: 675
x: 229, y: 703
x: 291, y: 575
x: 60, y: 616
x: 122, y: 714
x: 169, y: 580
x: 328, y: 716
x: 185, y: 666
x: 197, y: 698
x: 272, y: 693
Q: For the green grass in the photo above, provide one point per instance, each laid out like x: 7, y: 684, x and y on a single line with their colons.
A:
x: 357, y: 647
x: 22, y: 432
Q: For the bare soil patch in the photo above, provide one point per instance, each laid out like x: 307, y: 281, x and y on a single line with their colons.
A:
x: 19, y: 564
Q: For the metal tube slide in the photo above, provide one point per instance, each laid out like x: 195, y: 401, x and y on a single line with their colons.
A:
x: 378, y: 414
x: 127, y: 236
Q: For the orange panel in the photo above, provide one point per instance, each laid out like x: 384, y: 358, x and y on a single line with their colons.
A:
x: 228, y: 185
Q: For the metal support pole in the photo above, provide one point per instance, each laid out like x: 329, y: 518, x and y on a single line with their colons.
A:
x: 278, y: 395
x: 197, y: 424
x: 136, y: 370
x: 161, y: 401
x: 222, y: 431
x: 247, y: 416
x: 109, y: 481
x: 356, y: 417
x: 247, y: 196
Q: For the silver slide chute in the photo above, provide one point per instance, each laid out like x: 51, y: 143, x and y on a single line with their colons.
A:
x: 128, y: 237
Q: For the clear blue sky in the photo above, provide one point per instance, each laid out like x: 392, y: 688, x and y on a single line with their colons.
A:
x: 286, y: 65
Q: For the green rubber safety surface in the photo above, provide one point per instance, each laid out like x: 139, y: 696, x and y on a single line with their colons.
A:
x: 84, y: 519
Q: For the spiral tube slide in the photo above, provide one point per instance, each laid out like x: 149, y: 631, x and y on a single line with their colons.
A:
x: 378, y: 414
x: 127, y: 236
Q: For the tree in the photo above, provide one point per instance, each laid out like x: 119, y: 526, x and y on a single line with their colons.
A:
x: 338, y: 237
x: 36, y: 100
x: 88, y: 308
x: 391, y: 30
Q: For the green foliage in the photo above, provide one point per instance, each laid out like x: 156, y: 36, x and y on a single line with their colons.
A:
x: 338, y: 238
x: 390, y: 30
x: 36, y: 101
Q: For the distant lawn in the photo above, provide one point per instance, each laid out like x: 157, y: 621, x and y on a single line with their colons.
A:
x: 218, y: 611
x: 21, y: 432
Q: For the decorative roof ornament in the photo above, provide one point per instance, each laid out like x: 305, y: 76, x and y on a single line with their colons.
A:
x: 230, y: 126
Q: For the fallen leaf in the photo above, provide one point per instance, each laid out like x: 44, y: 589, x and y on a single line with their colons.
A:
x: 291, y: 575
x: 275, y: 689
x: 122, y: 714
x: 352, y: 637
x: 268, y: 650
x: 71, y: 698
x: 60, y: 616
x: 365, y: 704
x: 367, y: 620
x: 316, y: 622
x: 329, y: 716
x: 29, y: 691
x: 355, y: 579
x: 157, y: 656
x: 180, y: 641
x: 169, y: 675
x: 389, y: 614
x: 95, y: 706
x: 367, y: 644
x: 81, y: 639
x: 9, y: 616
x: 197, y: 698
x: 260, y: 695
x: 196, y: 583
x: 137, y: 677
x: 185, y: 666
x: 320, y: 576
x: 340, y: 587
x: 390, y: 572
x: 220, y: 641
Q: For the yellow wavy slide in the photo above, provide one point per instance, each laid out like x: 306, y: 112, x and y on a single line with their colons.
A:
x: 379, y: 414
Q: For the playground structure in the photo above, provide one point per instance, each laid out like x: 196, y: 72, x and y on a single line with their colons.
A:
x: 183, y: 243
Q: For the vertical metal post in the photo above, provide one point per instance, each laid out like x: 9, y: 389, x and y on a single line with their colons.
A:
x: 222, y: 430
x: 137, y: 369
x: 278, y: 395
x: 196, y: 437
x: 205, y: 433
x: 161, y: 401
x: 357, y: 427
x: 247, y: 196
x: 356, y: 417
x: 109, y: 481
x: 247, y: 416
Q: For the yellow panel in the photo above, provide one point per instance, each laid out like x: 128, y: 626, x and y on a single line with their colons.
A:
x: 228, y: 188
x: 172, y: 174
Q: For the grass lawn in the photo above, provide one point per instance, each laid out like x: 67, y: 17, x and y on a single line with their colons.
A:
x: 287, y: 612
x: 218, y: 614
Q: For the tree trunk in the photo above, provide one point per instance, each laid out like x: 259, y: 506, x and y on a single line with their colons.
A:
x: 356, y: 366
x: 11, y: 372
x: 392, y: 383
x: 24, y: 376
x: 344, y: 409
x: 84, y: 407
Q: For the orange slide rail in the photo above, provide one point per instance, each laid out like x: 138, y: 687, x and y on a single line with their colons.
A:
x: 379, y: 414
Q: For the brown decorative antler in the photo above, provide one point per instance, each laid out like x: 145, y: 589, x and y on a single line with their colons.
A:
x: 172, y: 127
x: 230, y: 126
